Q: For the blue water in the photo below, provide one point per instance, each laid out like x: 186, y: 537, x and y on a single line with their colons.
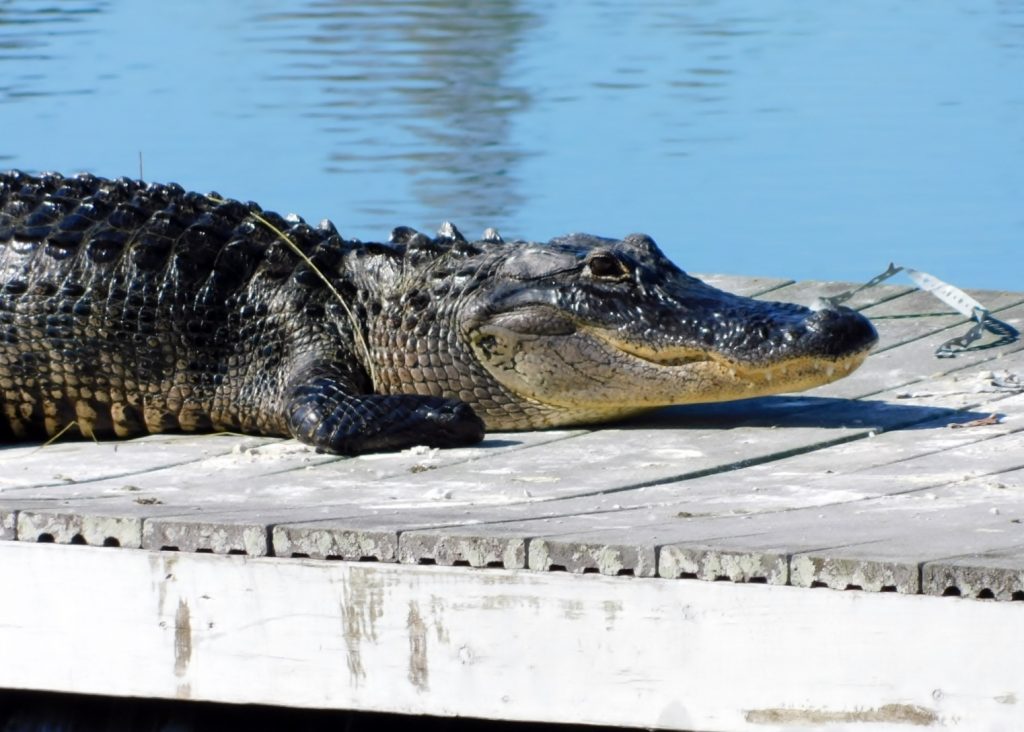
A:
x: 792, y: 138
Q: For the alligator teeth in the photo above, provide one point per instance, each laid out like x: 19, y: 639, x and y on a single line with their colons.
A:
x: 491, y: 234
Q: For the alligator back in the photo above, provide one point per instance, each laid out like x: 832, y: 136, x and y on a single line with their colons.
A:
x: 128, y: 308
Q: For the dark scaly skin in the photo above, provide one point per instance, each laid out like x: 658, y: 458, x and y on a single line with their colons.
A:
x: 128, y: 308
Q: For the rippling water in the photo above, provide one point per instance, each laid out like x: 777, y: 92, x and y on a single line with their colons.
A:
x: 782, y: 137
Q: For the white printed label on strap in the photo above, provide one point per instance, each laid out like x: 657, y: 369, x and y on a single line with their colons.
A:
x: 952, y: 296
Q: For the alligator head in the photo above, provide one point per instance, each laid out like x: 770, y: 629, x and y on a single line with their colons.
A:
x: 586, y: 329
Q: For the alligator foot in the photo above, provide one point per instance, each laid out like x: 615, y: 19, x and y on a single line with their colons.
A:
x: 320, y: 413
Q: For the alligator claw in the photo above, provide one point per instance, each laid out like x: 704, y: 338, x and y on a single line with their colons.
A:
x: 322, y: 414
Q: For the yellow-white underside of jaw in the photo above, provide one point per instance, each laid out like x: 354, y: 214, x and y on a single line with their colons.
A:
x: 709, y: 381
x: 619, y: 379
x: 712, y: 377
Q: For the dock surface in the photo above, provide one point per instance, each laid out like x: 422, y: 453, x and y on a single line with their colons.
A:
x: 462, y: 582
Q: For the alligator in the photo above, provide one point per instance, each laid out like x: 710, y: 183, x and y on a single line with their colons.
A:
x: 129, y: 308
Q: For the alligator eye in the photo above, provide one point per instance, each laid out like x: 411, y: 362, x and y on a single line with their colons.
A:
x: 605, y: 266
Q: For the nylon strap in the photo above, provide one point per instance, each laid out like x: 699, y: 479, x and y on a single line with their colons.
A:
x: 952, y: 296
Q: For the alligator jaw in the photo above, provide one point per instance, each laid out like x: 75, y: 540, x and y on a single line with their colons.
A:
x: 721, y: 378
x: 577, y: 373
x: 725, y: 380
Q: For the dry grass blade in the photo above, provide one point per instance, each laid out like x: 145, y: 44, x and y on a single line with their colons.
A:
x: 60, y: 433
x: 357, y: 332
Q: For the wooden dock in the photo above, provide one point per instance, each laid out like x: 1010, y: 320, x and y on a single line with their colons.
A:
x: 851, y: 557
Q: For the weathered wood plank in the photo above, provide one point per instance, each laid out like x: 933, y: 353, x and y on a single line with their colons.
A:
x: 848, y: 474
x: 186, y: 500
x: 281, y: 465
x: 8, y: 522
x: 613, y: 540
x: 871, y: 544
x: 744, y: 285
x: 996, y: 574
x: 904, y: 534
x: 499, y: 645
x: 618, y: 458
x: 61, y: 463
x: 119, y: 525
x: 618, y: 532
x: 617, y: 461
x: 808, y: 479
x: 809, y: 292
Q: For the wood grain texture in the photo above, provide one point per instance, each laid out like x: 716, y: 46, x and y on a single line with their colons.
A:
x: 551, y: 646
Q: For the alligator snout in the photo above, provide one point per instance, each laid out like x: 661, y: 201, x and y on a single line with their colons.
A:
x: 839, y: 331
x: 762, y: 333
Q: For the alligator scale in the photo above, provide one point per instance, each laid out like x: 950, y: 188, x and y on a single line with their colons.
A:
x: 129, y: 308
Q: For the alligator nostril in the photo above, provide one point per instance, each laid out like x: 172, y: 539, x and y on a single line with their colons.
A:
x: 845, y: 330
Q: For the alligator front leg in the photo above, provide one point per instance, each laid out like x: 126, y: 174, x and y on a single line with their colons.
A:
x: 322, y: 413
